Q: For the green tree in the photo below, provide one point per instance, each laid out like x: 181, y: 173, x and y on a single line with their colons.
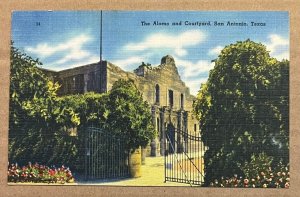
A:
x: 243, y: 109
x: 89, y: 107
x: 35, y: 114
x: 128, y: 115
x: 69, y: 148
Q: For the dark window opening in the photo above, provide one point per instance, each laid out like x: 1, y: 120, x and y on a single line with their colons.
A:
x: 91, y: 86
x: 195, y: 127
x: 157, y: 124
x: 171, y: 98
x: 78, y: 84
x: 157, y: 93
x: 181, y: 101
x: 73, y: 84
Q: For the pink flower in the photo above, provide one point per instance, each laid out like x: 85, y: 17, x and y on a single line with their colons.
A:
x: 246, y: 181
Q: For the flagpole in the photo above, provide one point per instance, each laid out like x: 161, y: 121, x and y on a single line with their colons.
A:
x: 101, y: 37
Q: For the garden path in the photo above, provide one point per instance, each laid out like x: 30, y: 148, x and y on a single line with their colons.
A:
x: 152, y: 175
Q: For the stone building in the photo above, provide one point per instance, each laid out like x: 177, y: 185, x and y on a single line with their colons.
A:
x: 161, y: 86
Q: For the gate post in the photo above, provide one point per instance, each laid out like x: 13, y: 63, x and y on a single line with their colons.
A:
x: 163, y: 132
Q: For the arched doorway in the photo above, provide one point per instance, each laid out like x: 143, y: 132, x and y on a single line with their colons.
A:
x: 171, y: 138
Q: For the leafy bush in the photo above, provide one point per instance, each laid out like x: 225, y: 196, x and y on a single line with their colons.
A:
x: 258, y: 173
x: 128, y: 115
x: 37, y: 120
x: 243, y: 109
x: 269, y: 178
x: 260, y: 163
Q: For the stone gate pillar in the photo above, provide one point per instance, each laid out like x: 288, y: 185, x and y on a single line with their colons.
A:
x: 180, y: 131
x: 185, y: 130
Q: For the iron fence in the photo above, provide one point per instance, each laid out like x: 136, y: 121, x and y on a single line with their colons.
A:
x: 105, y: 155
x: 184, y: 158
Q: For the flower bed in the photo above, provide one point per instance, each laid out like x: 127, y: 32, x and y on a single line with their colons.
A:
x: 39, y: 174
x: 269, y: 179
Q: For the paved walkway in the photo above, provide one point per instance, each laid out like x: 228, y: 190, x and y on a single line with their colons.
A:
x: 152, y: 175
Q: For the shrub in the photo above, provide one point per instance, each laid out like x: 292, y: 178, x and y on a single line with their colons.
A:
x: 258, y: 174
x: 243, y: 109
x: 271, y: 180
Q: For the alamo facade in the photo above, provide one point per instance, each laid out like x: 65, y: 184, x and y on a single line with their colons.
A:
x: 161, y: 86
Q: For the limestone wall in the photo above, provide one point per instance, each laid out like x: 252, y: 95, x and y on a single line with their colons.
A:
x: 146, y: 78
x: 166, y: 76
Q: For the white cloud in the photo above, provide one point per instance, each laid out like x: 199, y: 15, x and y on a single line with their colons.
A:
x: 278, y: 46
x: 193, y: 73
x: 130, y: 61
x: 191, y: 69
x: 194, y: 85
x: 91, y: 59
x: 283, y: 55
x: 215, y: 51
x: 276, y: 41
x: 73, y: 48
x: 75, y: 54
x: 45, y: 49
x: 177, y: 43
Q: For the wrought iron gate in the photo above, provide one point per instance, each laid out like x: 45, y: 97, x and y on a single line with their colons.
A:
x: 105, y: 155
x: 184, y: 157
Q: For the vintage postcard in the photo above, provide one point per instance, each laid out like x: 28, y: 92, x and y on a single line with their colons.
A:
x: 149, y: 98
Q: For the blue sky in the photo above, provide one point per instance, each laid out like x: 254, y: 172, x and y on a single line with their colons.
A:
x: 66, y: 39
